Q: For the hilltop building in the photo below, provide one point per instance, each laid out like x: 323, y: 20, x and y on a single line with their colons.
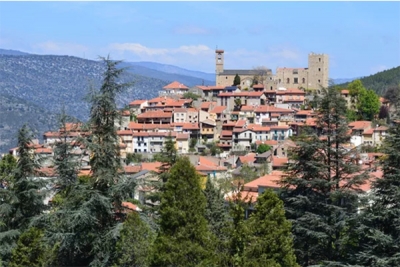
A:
x: 316, y: 75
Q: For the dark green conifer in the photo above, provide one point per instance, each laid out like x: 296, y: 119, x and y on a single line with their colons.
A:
x: 380, y: 228
x: 23, y: 198
x: 184, y: 238
x: 269, y: 240
x: 320, y: 187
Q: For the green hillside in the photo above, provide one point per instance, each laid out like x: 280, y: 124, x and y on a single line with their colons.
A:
x: 380, y: 81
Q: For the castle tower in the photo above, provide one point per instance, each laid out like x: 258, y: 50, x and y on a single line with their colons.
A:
x: 318, y: 71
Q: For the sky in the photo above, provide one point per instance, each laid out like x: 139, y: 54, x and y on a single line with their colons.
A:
x: 361, y: 38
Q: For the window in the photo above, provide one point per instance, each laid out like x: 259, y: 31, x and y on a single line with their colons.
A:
x: 271, y: 87
x: 319, y: 81
x: 226, y: 77
x: 287, y: 80
x: 303, y: 80
x: 280, y: 80
x: 295, y: 71
x: 319, y: 59
x: 296, y: 80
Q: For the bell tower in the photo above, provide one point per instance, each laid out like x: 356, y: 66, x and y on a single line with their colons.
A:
x: 219, y: 64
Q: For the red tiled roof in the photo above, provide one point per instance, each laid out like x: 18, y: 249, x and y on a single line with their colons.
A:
x: 359, y: 125
x: 124, y: 132
x: 137, y: 102
x: 249, y: 158
x: 218, y: 109
x: 345, y: 92
x: 279, y: 162
x: 270, y: 180
x: 264, y: 108
x: 206, y: 165
x: 151, y: 166
x: 132, y: 169
x: 154, y: 114
x: 290, y: 92
x: 175, y: 85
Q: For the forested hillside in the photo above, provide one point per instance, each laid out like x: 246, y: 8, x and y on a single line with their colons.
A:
x: 380, y: 81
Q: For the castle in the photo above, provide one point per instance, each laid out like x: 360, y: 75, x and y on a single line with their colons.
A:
x: 315, y: 76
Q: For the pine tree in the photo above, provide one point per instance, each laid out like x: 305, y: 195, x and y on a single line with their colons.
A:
x: 269, y: 240
x: 217, y: 216
x: 183, y: 239
x: 320, y: 187
x: 23, y: 199
x: 86, y: 226
x: 134, y: 245
x: 380, y: 229
x: 30, y: 250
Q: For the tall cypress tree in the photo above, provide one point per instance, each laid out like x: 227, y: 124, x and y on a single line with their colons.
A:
x: 183, y: 239
x: 380, y: 228
x: 269, y: 240
x: 23, y: 199
x: 321, y: 185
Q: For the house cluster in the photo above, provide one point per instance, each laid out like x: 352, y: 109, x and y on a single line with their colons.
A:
x: 234, y: 120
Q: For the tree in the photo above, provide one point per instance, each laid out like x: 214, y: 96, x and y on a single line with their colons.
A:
x: 216, y: 213
x: 262, y: 148
x: 260, y: 75
x: 217, y: 216
x: 380, y: 228
x: 368, y: 104
x: 383, y: 112
x: 84, y: 228
x: 192, y: 144
x: 190, y: 95
x: 184, y: 238
x: 23, y: 199
x: 30, y: 250
x: 320, y: 187
x: 134, y: 245
x: 238, y: 104
x: 247, y: 173
x: 236, y: 80
x: 269, y: 238
x: 133, y: 157
x: 7, y: 166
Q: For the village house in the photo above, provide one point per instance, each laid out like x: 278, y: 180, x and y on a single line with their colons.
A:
x: 174, y: 88
x: 138, y: 106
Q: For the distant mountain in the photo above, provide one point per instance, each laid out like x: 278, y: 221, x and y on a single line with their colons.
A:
x: 28, y: 82
x: 343, y: 80
x: 381, y: 81
x: 168, y: 77
x: 12, y: 52
x: 15, y: 112
x: 176, y: 70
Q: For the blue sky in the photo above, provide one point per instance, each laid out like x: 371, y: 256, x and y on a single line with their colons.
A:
x: 361, y: 38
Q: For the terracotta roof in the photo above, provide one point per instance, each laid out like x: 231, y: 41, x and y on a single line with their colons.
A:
x: 264, y: 108
x: 124, y: 132
x: 279, y: 162
x: 218, y: 109
x: 270, y: 180
x: 345, y: 92
x: 190, y: 126
x: 137, y: 102
x: 226, y: 133
x: 175, y: 85
x: 206, y: 105
x: 43, y: 150
x: 305, y: 112
x: 132, y: 169
x: 249, y: 94
x: 182, y: 136
x: 140, y: 134
x: 147, y: 126
x: 206, y: 165
x: 267, y: 142
x: 154, y: 114
x: 151, y: 166
x: 279, y: 127
x: 290, y: 91
x: 247, y: 108
x: 257, y: 86
x: 125, y: 113
x: 381, y: 128
x: 359, y: 125
x: 249, y: 158
x: 130, y: 206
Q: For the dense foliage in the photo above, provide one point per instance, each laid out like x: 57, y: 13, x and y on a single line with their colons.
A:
x: 380, y: 81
